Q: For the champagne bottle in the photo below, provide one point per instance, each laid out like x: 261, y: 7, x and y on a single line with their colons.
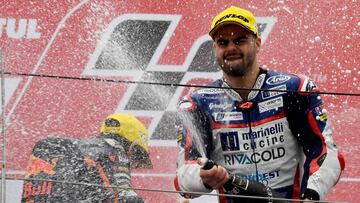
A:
x: 240, y: 186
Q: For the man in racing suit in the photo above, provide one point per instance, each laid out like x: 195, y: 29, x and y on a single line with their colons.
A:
x: 89, y: 169
x: 256, y: 124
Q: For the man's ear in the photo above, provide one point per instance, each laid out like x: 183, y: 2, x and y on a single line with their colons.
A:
x: 258, y: 43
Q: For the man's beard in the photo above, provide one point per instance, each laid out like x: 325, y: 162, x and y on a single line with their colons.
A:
x: 240, y: 69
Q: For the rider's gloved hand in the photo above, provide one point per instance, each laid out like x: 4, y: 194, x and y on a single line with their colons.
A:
x: 129, y: 196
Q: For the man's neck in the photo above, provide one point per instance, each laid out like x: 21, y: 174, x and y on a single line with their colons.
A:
x: 245, y: 82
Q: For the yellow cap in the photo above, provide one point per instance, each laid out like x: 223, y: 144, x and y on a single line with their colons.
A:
x: 237, y: 16
x: 127, y: 126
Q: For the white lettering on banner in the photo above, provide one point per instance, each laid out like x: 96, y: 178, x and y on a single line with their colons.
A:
x: 19, y: 28
x: 319, y: 78
x: 271, y: 104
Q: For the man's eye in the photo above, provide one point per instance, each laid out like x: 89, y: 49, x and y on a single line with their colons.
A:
x: 240, y: 40
x: 222, y: 42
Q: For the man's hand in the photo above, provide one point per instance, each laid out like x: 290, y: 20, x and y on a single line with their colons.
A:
x: 215, y: 177
x: 129, y: 196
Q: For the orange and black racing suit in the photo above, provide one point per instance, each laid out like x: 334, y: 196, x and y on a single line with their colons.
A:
x: 79, y: 170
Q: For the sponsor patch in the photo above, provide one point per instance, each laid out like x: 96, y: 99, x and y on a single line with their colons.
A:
x: 271, y: 104
x: 228, y: 116
x: 277, y: 79
x: 220, y: 106
x: 270, y: 94
x: 210, y: 91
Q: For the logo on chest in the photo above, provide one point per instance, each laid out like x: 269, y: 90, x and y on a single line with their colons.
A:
x: 271, y: 104
x: 228, y: 116
x: 273, y: 92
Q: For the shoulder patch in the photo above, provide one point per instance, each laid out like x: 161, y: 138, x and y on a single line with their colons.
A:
x: 277, y: 79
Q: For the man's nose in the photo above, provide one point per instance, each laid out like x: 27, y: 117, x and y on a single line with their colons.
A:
x: 231, y: 45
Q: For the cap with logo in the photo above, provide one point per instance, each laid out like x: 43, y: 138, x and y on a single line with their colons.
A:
x: 130, y: 128
x: 127, y: 126
x: 237, y: 16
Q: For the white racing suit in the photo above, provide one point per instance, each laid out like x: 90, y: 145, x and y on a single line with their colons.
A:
x: 281, y: 138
